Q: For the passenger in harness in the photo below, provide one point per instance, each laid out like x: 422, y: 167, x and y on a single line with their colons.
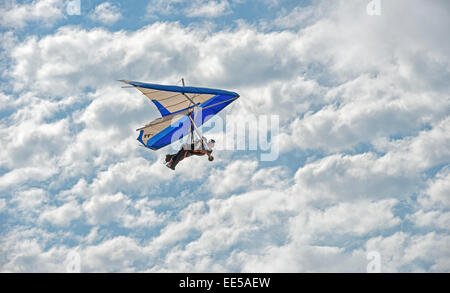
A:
x: 198, y: 148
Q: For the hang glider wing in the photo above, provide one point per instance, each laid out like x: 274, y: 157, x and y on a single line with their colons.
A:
x: 176, y: 103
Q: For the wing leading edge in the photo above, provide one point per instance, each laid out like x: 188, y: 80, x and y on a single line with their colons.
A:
x: 175, y: 107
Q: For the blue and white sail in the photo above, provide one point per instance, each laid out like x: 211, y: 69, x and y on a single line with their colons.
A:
x: 179, y: 106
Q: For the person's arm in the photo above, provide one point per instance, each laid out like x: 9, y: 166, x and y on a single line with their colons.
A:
x: 205, y: 152
x: 206, y: 148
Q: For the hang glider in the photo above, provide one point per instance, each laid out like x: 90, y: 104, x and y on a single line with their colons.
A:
x: 182, y: 108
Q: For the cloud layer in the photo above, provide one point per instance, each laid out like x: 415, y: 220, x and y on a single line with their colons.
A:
x: 46, y: 12
x: 364, y: 136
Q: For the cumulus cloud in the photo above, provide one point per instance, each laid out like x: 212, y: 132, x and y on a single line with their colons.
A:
x: 197, y: 8
x: 211, y: 8
x: 163, y: 7
x: 24, y: 249
x: 338, y: 178
x: 62, y: 215
x: 15, y: 15
x: 2, y: 205
x: 438, y: 190
x: 30, y: 200
x: 300, y: 16
x: 45, y: 66
x: 234, y: 176
x: 102, y: 209
x: 26, y: 174
x: 365, y: 217
x: 435, y: 219
x: 119, y: 254
x: 106, y: 13
x: 403, y: 252
x: 363, y: 106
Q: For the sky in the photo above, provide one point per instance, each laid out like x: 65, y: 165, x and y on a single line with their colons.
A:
x: 359, y: 91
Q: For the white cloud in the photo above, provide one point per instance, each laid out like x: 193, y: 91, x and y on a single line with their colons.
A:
x: 145, y: 216
x: 357, y: 119
x: 58, y: 63
x: 135, y: 176
x: 339, y: 79
x: 113, y: 255
x: 366, y: 117
x: 338, y: 178
x: 432, y: 248
x: 294, y: 258
x: 46, y: 139
x: 219, y: 225
x: 208, y: 8
x: 5, y: 101
x: 418, y: 153
x: 403, y: 252
x: 3, y: 205
x: 93, y: 235
x: 102, y: 209
x: 358, y: 218
x: 244, y: 226
x: 379, y: 86
x: 32, y: 258
x: 197, y: 8
x: 31, y: 200
x: 62, y: 215
x: 434, y: 219
x: 299, y: 16
x: 235, y: 175
x: 275, y: 177
x: 32, y: 249
x: 438, y: 190
x: 106, y: 13
x: 245, y: 173
x: 26, y: 174
x: 163, y: 7
x: 15, y: 15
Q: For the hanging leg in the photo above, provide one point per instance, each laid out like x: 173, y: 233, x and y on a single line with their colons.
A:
x: 177, y: 158
x: 169, y: 157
